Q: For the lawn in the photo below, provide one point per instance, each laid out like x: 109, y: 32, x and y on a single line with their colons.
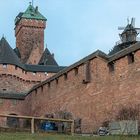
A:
x: 26, y: 136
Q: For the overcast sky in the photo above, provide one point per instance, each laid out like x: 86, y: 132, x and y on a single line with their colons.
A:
x: 75, y: 28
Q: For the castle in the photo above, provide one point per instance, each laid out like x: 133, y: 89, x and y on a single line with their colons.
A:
x: 94, y: 89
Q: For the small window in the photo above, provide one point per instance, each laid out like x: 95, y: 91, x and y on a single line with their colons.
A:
x: 49, y: 84
x: 4, y: 65
x: 131, y: 58
x: 16, y: 67
x: 111, y: 66
x: 76, y: 71
x: 56, y: 81
x: 65, y: 76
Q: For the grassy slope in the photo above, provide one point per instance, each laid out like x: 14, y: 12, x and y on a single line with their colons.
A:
x: 23, y: 136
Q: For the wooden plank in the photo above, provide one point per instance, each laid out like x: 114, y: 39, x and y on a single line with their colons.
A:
x: 37, y: 118
x: 32, y: 126
x: 72, y: 128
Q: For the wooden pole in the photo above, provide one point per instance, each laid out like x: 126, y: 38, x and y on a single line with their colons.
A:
x: 72, y: 128
x: 32, y: 126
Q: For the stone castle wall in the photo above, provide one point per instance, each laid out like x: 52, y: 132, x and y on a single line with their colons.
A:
x: 30, y: 40
x: 15, y: 80
x: 94, y: 102
x: 23, y: 75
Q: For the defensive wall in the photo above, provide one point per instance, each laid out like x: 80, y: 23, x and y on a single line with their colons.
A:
x: 15, y: 82
x: 94, y: 89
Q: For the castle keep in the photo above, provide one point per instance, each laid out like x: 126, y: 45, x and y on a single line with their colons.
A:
x: 94, y: 89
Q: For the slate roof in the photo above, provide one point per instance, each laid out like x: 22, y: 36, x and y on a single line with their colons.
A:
x: 30, y: 13
x: 19, y: 96
x: 16, y: 50
x: 120, y: 47
x: 43, y: 68
x: 124, y: 52
x: 47, y: 59
x: 7, y: 55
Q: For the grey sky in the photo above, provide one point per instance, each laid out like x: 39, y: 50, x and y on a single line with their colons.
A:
x: 75, y: 28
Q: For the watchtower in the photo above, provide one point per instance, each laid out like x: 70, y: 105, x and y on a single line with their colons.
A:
x: 29, y: 33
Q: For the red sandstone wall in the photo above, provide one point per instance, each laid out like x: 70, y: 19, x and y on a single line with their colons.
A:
x: 95, y: 102
x: 29, y: 37
x: 10, y: 84
x: 11, y: 106
x: 24, y: 75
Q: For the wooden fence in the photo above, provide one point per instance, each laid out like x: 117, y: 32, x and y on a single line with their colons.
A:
x: 32, y: 119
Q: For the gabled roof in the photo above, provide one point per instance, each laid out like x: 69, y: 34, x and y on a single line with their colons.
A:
x: 47, y: 59
x: 7, y: 55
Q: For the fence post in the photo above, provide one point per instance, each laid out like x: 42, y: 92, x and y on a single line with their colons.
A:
x: 32, y: 126
x: 72, y: 128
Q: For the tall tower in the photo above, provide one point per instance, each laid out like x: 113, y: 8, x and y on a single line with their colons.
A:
x: 29, y: 33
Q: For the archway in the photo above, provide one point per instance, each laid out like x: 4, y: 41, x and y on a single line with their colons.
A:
x: 12, y: 121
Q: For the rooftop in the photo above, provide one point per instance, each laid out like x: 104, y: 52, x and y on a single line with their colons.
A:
x: 8, y: 56
x: 30, y: 13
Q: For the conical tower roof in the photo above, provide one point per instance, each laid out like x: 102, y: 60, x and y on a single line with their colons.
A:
x: 7, y: 55
x: 47, y: 59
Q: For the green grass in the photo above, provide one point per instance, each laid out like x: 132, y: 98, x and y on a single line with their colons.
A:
x: 27, y: 136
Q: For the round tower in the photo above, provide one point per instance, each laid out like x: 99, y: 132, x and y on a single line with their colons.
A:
x: 29, y: 33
